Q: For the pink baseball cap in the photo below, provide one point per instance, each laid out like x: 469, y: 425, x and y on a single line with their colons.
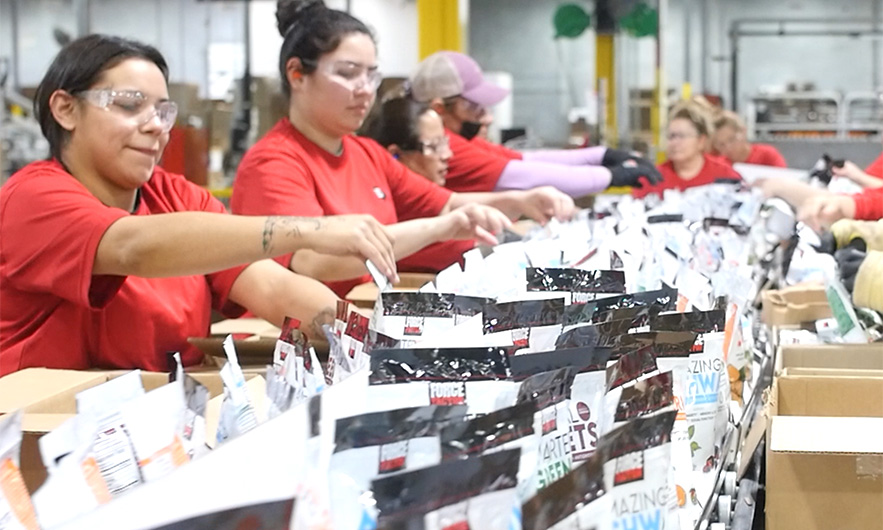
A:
x: 446, y: 74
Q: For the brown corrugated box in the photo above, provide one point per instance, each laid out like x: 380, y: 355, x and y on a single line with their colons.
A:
x: 846, y: 356
x: 48, y: 399
x: 825, y: 451
x: 365, y: 295
x: 793, y: 305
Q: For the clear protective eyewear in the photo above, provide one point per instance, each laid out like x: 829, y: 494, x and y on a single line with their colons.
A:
x: 354, y: 76
x: 133, y: 104
x: 680, y: 136
x: 435, y: 148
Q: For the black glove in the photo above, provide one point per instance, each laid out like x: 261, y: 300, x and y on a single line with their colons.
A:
x: 827, y: 244
x: 615, y: 157
x: 630, y: 173
x: 849, y: 260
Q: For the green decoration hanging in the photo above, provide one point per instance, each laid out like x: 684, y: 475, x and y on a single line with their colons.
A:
x: 570, y: 21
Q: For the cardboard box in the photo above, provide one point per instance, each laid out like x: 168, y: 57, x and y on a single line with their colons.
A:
x: 365, y: 295
x: 25, y: 388
x: 51, y: 401
x: 186, y: 96
x: 793, y: 305
x: 845, y: 356
x: 825, y: 452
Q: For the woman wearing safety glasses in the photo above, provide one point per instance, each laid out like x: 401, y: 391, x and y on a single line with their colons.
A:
x: 311, y: 163
x: 108, y: 261
x: 689, y: 165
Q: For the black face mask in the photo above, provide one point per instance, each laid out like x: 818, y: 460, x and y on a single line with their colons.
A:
x: 469, y: 129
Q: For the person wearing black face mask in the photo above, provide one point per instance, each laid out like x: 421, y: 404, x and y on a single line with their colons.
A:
x: 454, y: 86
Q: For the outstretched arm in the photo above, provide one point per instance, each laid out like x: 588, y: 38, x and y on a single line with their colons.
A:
x: 187, y: 243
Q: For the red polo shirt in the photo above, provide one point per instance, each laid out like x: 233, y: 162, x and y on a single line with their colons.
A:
x: 55, y: 313
x: 711, y: 171
x: 476, y: 165
x: 765, y: 155
x: 287, y: 174
x: 875, y: 169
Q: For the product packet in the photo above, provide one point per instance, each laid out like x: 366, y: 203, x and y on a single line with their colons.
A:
x: 237, y: 414
x: 196, y: 397
x: 701, y: 388
x: 467, y: 493
x: 637, y: 472
x: 549, y: 392
x: 16, y: 510
x: 296, y: 372
x: 586, y: 393
x: 507, y: 428
x: 579, y: 501
x: 624, y: 371
x: 658, y: 301
x: 412, y: 316
x: 379, y: 444
x: 531, y: 325
x: 76, y: 484
x: 112, y: 450
x: 644, y: 398
x: 415, y: 377
x: 849, y: 329
x: 580, y: 286
x: 154, y: 423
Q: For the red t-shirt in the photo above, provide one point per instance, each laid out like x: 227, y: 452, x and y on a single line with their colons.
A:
x: 55, y: 313
x: 476, y: 165
x: 498, y: 149
x: 869, y: 204
x: 711, y: 171
x: 765, y: 155
x: 285, y: 173
x: 876, y: 167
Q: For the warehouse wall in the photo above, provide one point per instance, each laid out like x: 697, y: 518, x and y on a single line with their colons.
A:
x: 831, y: 63
x: 526, y: 49
x: 549, y: 76
x: 185, y: 29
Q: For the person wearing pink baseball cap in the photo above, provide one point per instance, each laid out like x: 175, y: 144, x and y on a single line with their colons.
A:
x: 454, y: 86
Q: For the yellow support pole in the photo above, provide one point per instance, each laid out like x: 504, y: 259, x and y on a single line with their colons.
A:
x: 438, y: 26
x: 605, y: 78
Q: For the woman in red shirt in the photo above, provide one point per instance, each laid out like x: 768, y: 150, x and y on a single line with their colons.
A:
x: 730, y: 140
x: 108, y: 261
x: 689, y: 165
x: 310, y: 163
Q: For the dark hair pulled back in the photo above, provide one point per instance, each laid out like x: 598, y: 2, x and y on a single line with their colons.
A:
x: 310, y: 30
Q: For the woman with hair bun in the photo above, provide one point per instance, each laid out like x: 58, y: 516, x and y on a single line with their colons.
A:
x: 310, y: 163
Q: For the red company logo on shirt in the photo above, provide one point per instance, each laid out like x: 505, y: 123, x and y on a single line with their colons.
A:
x: 447, y: 393
x: 379, y: 193
x: 629, y: 468
x: 393, y: 456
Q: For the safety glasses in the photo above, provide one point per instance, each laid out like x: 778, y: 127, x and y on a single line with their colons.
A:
x: 133, y: 105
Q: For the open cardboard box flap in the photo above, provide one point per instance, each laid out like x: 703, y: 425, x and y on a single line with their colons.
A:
x: 820, y: 434
x: 254, y: 339
x: 848, y: 356
x: 824, y: 452
x: 796, y: 304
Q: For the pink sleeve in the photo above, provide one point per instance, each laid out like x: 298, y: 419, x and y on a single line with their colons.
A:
x: 587, y: 156
x: 575, y: 181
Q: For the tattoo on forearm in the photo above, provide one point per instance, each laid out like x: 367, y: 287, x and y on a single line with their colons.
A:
x: 325, y: 316
x: 267, y: 236
x: 289, y: 227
